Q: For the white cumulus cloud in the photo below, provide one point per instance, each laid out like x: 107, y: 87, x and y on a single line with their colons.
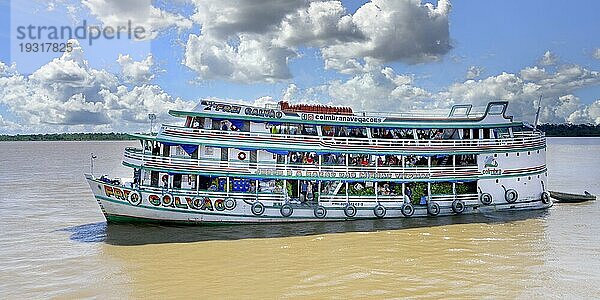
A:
x: 136, y: 72
x: 67, y: 92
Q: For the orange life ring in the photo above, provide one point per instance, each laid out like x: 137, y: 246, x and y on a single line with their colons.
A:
x: 242, y: 156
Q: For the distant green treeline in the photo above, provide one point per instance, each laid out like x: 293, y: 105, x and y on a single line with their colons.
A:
x: 580, y: 130
x: 67, y: 137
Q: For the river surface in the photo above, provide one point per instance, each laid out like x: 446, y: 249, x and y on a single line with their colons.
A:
x: 54, y: 242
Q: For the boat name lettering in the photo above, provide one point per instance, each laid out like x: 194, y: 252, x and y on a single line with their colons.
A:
x: 117, y: 193
x: 341, y: 118
x: 263, y: 112
x: 490, y: 166
x: 228, y: 108
x: 491, y: 172
x: 196, y: 203
x: 337, y: 174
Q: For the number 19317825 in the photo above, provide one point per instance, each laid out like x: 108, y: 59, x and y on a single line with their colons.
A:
x: 45, y: 47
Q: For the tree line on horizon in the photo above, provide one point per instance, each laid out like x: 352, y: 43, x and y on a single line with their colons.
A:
x: 552, y: 130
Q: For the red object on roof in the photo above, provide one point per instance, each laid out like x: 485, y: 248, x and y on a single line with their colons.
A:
x: 315, y: 108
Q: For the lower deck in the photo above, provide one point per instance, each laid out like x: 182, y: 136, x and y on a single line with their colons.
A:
x: 133, y: 203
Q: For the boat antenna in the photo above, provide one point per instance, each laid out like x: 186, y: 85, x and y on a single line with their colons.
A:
x: 151, y: 117
x: 537, y: 114
x: 92, y: 157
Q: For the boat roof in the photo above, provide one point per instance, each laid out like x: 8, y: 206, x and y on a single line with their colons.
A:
x: 462, y: 115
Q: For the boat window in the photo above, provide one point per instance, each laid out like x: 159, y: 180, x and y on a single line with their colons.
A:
x: 204, y: 182
x: 177, y: 180
x: 502, y: 132
x: 242, y: 185
x: 197, y: 123
x: 466, y: 188
x: 392, y: 133
x: 430, y: 134
x: 415, y: 161
x: 360, y: 160
x: 291, y: 129
x: 466, y: 160
x: 441, y: 188
x: 344, y: 131
x: 272, y: 186
x: 475, y: 134
x: 303, y: 158
x: 389, y: 188
x: 486, y: 133
x: 336, y: 159
x: 154, y: 178
x: 466, y: 134
x: 389, y: 160
x: 361, y: 188
x: 441, y: 160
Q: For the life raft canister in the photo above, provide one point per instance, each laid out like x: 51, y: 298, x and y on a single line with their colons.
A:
x: 257, y: 208
x: 350, y: 210
x: 511, y: 196
x: 545, y: 198
x: 458, y: 206
x: 286, y: 210
x: 408, y: 209
x: 486, y: 198
x: 320, y: 212
x: 379, y: 211
x: 433, y: 209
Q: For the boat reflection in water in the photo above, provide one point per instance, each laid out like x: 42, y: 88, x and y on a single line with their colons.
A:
x: 465, y: 256
x: 142, y: 234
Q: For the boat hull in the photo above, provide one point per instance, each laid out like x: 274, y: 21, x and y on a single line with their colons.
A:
x: 120, y: 204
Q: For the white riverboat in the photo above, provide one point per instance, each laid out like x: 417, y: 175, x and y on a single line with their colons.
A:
x: 231, y: 163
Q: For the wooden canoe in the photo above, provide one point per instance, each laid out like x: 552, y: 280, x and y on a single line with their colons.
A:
x: 572, y: 198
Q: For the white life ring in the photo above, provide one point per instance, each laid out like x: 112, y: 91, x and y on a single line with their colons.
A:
x: 320, y: 212
x: 230, y: 204
x: 545, y: 198
x: 242, y: 156
x: 350, y: 210
x: 257, y: 208
x: 379, y: 211
x: 286, y: 210
x: 511, y: 196
x: 408, y: 209
x: 486, y: 198
x: 433, y: 209
x: 458, y: 206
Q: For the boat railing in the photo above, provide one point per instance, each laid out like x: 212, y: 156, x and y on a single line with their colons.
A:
x: 193, y: 193
x: 523, y: 139
x: 138, y: 158
x: 395, y: 198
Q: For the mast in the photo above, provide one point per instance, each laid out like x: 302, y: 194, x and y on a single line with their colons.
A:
x: 537, y: 114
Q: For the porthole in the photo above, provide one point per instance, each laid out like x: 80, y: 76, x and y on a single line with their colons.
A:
x: 538, y: 151
x: 495, y: 155
x: 497, y: 181
x: 528, y: 152
x: 518, y: 153
x: 518, y: 179
x: 529, y: 178
x: 538, y: 176
x: 506, y: 154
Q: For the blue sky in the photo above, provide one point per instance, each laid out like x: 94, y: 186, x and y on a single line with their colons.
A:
x: 488, y: 37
